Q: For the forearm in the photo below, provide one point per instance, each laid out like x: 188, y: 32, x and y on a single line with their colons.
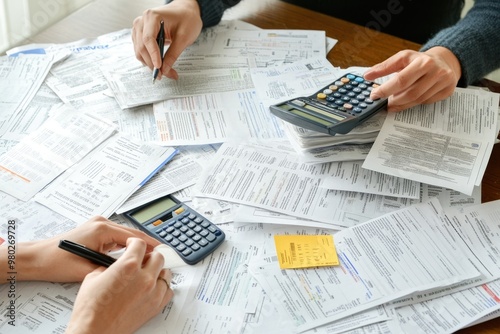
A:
x: 212, y: 10
x: 21, y: 261
x: 475, y: 41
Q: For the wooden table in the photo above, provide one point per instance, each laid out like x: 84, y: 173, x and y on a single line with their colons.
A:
x: 357, y: 46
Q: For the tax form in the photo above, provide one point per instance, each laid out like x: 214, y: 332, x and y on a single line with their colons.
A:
x: 447, y: 143
x: 215, y: 118
x: 20, y: 78
x: 381, y: 260
x: 40, y: 157
x: 274, y: 180
x: 101, y: 182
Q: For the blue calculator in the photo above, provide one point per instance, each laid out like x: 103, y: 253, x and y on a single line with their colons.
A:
x: 336, y: 108
x: 177, y: 225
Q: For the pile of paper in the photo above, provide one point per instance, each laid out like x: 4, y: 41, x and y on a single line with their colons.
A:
x: 88, y: 134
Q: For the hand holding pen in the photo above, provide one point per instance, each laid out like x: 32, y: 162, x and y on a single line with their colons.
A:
x: 160, y: 40
x: 182, y: 26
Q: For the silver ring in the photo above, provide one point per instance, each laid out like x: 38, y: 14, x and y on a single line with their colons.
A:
x: 166, y: 282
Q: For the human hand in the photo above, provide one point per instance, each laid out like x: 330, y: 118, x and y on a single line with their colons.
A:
x: 57, y: 265
x: 182, y: 24
x: 423, y: 77
x: 122, y: 297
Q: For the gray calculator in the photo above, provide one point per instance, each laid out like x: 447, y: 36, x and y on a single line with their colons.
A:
x: 336, y: 108
x: 177, y: 225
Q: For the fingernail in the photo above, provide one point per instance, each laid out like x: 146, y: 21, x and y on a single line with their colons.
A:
x: 374, y: 96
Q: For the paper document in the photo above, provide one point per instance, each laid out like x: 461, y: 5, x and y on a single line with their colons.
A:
x: 447, y: 143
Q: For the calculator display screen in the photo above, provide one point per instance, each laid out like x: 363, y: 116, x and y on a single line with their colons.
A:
x: 311, y: 117
x: 145, y: 214
x: 325, y: 113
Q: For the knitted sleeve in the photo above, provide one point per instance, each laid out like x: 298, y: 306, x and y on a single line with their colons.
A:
x: 475, y: 41
x: 212, y: 10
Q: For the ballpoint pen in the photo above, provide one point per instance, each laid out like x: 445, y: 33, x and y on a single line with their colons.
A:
x: 160, y: 39
x: 87, y: 253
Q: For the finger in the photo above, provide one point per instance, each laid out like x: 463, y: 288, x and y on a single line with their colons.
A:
x: 154, y: 264
x: 135, y: 251
x: 149, y: 34
x: 398, y: 83
x: 414, y: 97
x: 173, y: 52
x: 119, y: 235
x: 392, y: 64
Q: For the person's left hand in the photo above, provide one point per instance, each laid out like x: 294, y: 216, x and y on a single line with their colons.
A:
x: 423, y: 77
x: 100, y: 234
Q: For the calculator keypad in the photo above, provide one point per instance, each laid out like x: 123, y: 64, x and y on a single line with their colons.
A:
x: 190, y: 234
x: 349, y: 94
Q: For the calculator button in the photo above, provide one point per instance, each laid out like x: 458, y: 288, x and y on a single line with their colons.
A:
x: 179, y: 211
x: 350, y: 76
x: 181, y: 247
x: 183, y: 238
x: 345, y: 98
x: 198, y: 220
x: 169, y: 238
x: 342, y: 90
x: 348, y: 106
x: 362, y: 86
x: 357, y: 90
x: 174, y: 242
x: 183, y: 229
x: 197, y: 229
x: 330, y: 98
x: 185, y: 220
x: 344, y: 80
x: 195, y: 247
x: 321, y: 96
x: 354, y: 83
x: 204, y: 233
x: 186, y: 252
x: 197, y: 237
x: 170, y: 229
x: 203, y: 242
x: 298, y: 103
x: 192, y: 216
x: 357, y: 110
x: 333, y: 88
x: 190, y: 233
x: 191, y: 225
x: 348, y: 87
x: 177, y: 225
x: 218, y: 232
x: 211, y: 237
x: 337, y: 95
x: 363, y: 105
x: 205, y: 224
x: 327, y: 91
x: 366, y: 93
x: 162, y: 234
x: 157, y: 222
x: 188, y: 242
x: 212, y: 229
x: 176, y: 233
x: 354, y: 101
x: 359, y: 79
x: 339, y: 83
x: 351, y: 94
x: 375, y: 85
x: 360, y: 97
x: 368, y: 101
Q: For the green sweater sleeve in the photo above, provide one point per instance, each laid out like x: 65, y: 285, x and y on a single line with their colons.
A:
x: 212, y: 10
x: 475, y: 41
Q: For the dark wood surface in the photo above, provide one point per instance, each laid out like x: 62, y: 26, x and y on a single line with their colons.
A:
x: 358, y: 46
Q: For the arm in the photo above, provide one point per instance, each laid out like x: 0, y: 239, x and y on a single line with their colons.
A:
x: 44, y: 261
x: 458, y: 55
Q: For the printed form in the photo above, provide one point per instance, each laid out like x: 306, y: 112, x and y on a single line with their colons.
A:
x: 274, y: 180
x: 381, y: 260
x: 447, y: 143
x: 40, y: 157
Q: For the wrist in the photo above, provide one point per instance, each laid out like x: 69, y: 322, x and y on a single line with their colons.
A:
x: 21, y: 259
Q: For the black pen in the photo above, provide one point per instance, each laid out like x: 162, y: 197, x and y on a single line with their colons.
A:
x: 87, y: 253
x: 160, y: 39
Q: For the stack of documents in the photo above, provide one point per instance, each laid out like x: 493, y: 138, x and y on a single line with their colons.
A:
x: 400, y: 194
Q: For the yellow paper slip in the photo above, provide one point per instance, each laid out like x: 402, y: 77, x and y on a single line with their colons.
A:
x: 304, y: 251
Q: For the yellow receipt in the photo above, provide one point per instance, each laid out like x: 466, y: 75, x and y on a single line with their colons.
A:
x: 303, y: 251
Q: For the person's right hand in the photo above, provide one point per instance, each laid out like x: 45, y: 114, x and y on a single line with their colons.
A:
x: 122, y: 297
x: 182, y: 24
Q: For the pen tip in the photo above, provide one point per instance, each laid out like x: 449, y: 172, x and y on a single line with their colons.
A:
x: 153, y: 80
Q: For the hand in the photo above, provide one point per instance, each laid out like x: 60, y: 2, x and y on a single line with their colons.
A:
x: 424, y: 77
x: 182, y: 23
x: 50, y: 263
x: 121, y: 298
